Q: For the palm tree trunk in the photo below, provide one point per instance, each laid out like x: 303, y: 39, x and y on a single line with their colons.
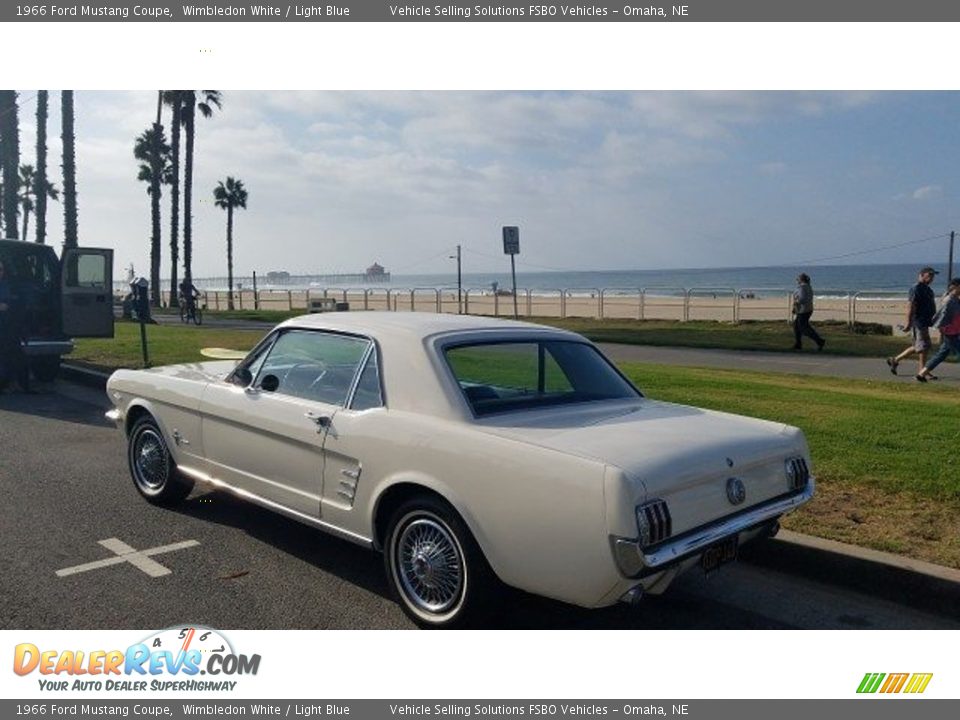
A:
x: 69, y: 171
x: 26, y: 223
x: 230, y: 258
x: 10, y: 154
x: 175, y: 198
x: 189, y: 116
x: 40, y: 179
x: 155, y: 237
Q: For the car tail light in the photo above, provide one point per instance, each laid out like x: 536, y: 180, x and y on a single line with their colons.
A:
x: 798, y: 474
x: 653, y: 522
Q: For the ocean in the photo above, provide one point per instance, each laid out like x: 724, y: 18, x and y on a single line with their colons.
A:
x: 827, y: 280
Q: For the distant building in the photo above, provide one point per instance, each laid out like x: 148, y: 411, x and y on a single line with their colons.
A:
x: 376, y: 272
x: 278, y: 276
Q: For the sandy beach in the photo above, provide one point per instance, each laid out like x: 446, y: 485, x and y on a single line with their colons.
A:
x: 670, y: 305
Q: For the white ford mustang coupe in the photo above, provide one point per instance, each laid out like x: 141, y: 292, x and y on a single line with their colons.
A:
x: 470, y: 451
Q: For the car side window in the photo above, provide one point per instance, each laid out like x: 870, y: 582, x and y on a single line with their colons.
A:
x: 368, y: 393
x: 313, y: 365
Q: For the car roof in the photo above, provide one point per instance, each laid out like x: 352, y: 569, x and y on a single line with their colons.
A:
x: 413, y: 374
x: 385, y: 325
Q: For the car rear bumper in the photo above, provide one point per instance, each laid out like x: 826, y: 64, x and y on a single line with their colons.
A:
x: 635, y: 561
x: 40, y: 348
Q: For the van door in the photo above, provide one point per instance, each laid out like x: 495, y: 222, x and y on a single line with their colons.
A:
x: 87, y: 292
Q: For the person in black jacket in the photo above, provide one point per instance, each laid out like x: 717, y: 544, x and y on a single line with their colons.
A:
x: 803, y: 309
x: 923, y: 306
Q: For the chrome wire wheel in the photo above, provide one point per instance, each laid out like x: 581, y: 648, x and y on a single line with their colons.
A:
x: 429, y: 566
x: 150, y: 460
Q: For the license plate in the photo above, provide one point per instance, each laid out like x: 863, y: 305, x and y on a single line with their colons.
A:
x: 719, y: 554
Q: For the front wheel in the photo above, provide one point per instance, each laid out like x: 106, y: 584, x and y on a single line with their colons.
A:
x: 197, y: 315
x: 435, y: 568
x: 155, y: 475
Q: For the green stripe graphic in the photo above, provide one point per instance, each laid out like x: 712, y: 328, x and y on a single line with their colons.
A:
x: 871, y: 682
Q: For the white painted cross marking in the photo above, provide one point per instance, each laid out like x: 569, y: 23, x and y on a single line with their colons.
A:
x: 124, y: 553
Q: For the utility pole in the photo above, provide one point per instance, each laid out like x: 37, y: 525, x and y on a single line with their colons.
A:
x: 458, y: 258
x: 950, y: 259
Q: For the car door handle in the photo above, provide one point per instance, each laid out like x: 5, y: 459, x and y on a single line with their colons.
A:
x: 321, y: 421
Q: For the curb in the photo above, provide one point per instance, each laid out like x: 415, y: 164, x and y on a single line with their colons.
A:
x: 915, y: 583
x: 84, y: 376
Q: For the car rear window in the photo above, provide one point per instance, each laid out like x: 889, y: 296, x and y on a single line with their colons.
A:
x: 507, y: 376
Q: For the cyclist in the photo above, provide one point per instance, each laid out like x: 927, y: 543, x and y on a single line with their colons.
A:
x: 189, y: 295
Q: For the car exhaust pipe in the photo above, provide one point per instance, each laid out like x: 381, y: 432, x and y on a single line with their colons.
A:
x: 773, y: 529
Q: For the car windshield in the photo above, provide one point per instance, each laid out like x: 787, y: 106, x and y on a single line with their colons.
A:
x: 508, y: 376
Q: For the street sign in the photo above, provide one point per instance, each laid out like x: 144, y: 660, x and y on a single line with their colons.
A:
x: 511, y: 240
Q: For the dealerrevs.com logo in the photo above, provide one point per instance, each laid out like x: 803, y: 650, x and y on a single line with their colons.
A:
x: 172, y: 659
x: 912, y: 683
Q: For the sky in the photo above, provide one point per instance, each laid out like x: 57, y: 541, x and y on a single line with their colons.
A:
x: 595, y: 180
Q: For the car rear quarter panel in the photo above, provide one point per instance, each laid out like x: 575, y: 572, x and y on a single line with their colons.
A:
x: 537, y: 514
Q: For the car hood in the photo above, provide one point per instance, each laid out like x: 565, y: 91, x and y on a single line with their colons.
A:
x: 202, y: 372
x: 659, y: 444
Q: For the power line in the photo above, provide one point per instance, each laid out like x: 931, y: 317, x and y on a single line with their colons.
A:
x: 872, y: 250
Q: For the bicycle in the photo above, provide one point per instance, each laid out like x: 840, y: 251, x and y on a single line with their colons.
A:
x: 190, y: 311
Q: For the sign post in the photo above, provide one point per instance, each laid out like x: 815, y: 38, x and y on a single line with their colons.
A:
x: 511, y: 247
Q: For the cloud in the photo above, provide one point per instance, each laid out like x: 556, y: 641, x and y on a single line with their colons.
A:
x: 927, y: 192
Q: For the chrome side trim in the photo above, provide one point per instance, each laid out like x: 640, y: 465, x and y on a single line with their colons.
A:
x: 277, y: 507
x: 633, y: 560
x: 34, y: 348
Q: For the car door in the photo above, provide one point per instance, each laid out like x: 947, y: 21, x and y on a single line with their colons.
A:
x: 86, y: 281
x: 266, y: 437
x: 349, y: 458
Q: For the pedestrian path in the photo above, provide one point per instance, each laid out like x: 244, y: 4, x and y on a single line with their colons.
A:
x: 802, y: 363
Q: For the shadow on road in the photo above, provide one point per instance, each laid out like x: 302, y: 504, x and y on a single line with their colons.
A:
x: 515, y: 609
x: 44, y: 400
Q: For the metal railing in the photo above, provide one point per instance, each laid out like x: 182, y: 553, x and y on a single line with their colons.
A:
x: 725, y: 304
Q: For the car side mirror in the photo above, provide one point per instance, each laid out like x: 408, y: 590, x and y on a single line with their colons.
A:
x: 270, y: 383
x: 243, y: 377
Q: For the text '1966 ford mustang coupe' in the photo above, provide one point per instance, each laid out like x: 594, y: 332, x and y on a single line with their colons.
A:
x: 470, y: 451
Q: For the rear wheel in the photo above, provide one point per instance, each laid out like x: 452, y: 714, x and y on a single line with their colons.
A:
x: 183, y: 313
x: 435, y: 568
x: 155, y: 475
x: 45, y: 369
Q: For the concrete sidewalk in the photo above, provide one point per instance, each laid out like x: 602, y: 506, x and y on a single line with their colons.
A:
x: 808, y: 362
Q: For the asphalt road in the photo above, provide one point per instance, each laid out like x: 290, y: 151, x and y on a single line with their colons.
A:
x: 65, y: 486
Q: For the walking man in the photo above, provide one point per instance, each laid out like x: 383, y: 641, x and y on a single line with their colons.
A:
x: 923, y: 306
x: 803, y: 309
x: 947, y: 321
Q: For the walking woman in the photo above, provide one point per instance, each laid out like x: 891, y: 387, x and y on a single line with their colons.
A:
x: 947, y: 321
x: 803, y: 309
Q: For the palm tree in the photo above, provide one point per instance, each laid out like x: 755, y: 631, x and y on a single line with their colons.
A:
x: 28, y: 198
x: 10, y: 160
x: 193, y: 100
x: 40, y: 178
x: 229, y: 195
x: 174, y: 98
x: 155, y: 168
x: 69, y: 170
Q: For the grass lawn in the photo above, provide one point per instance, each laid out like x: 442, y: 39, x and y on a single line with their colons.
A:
x: 884, y: 453
x: 867, y: 340
x: 168, y: 344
